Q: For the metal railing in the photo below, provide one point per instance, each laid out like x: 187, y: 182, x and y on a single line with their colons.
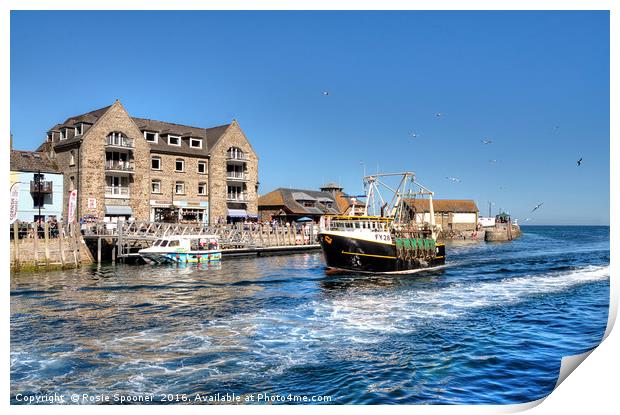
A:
x: 119, y: 165
x: 238, y: 175
x: 240, y: 235
x: 230, y: 155
x: 41, y: 186
x: 237, y: 197
x: 116, y: 191
x: 117, y: 141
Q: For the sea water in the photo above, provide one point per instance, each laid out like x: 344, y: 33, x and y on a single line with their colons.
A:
x: 491, y: 327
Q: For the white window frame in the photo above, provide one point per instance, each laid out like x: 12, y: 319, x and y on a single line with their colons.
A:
x: 158, y: 182
x: 182, y: 166
x: 79, y: 129
x: 204, y: 186
x: 174, y: 136
x: 151, y: 132
x: 156, y: 158
x: 63, y: 134
x: 176, y: 188
x: 191, y: 141
x: 202, y: 162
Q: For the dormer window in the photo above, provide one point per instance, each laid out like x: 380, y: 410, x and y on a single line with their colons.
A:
x: 195, y: 142
x: 63, y: 134
x: 50, y: 136
x: 150, y: 136
x: 79, y: 129
x: 174, y: 140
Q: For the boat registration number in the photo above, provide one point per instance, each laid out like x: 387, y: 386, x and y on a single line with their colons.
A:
x: 381, y: 237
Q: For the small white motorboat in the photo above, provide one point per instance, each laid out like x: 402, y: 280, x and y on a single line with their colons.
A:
x: 183, y: 249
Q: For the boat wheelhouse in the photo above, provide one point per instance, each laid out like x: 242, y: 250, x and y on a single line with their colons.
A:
x: 183, y: 249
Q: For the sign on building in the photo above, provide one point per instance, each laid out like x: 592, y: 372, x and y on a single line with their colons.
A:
x: 92, y: 203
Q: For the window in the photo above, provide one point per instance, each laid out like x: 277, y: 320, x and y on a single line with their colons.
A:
x: 63, y: 134
x: 179, y: 165
x: 174, y: 140
x: 79, y: 129
x: 117, y: 186
x: 202, y: 167
x: 155, y: 186
x: 155, y: 163
x: 202, y: 189
x: 150, y: 136
x: 50, y: 136
x: 235, y: 153
x: 72, y: 158
x: 195, y: 142
x: 179, y: 188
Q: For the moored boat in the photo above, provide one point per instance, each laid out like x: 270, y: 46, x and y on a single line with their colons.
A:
x: 396, y: 241
x: 183, y: 249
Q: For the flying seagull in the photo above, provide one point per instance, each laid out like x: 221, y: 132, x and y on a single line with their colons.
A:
x: 525, y: 220
x: 438, y: 115
x: 537, y: 206
x: 493, y: 161
x: 325, y: 93
x: 486, y: 141
x: 413, y: 135
x: 579, y: 161
x: 454, y: 179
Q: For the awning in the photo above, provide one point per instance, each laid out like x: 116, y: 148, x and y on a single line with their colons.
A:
x: 118, y: 210
x: 237, y: 213
x: 304, y: 219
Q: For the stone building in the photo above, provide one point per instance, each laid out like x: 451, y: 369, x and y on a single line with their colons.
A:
x: 451, y: 215
x: 126, y: 167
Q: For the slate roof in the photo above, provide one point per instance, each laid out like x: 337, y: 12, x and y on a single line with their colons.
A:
x: 210, y: 136
x: 287, y: 199
x: 32, y: 161
x: 443, y: 205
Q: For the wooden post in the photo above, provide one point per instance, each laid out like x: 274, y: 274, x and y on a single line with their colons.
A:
x: 291, y: 229
x: 260, y: 235
x: 99, y: 250
x: 46, y: 236
x: 15, y: 246
x: 113, y: 253
x: 282, y: 235
x: 35, y: 245
x: 61, y: 243
x: 73, y: 242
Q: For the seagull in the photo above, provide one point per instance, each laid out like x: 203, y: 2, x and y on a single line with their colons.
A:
x: 537, y: 206
x: 525, y: 220
x: 579, y: 161
x: 454, y: 179
x: 413, y: 135
x: 438, y: 115
x: 325, y: 93
x: 486, y: 141
x: 493, y: 161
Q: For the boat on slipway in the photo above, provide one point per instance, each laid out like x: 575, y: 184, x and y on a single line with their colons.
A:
x: 183, y: 249
x: 393, y: 239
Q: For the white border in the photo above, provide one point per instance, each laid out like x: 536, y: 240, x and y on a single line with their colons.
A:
x: 593, y: 388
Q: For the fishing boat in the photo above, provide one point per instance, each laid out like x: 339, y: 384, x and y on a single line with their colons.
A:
x: 183, y: 249
x: 388, y: 237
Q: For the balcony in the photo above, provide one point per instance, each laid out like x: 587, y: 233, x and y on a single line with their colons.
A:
x: 41, y: 186
x: 237, y: 197
x: 119, y: 142
x: 119, y: 166
x: 236, y: 176
x: 236, y: 156
x: 120, y: 192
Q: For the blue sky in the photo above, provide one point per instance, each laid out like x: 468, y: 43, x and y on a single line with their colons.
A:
x: 535, y: 83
